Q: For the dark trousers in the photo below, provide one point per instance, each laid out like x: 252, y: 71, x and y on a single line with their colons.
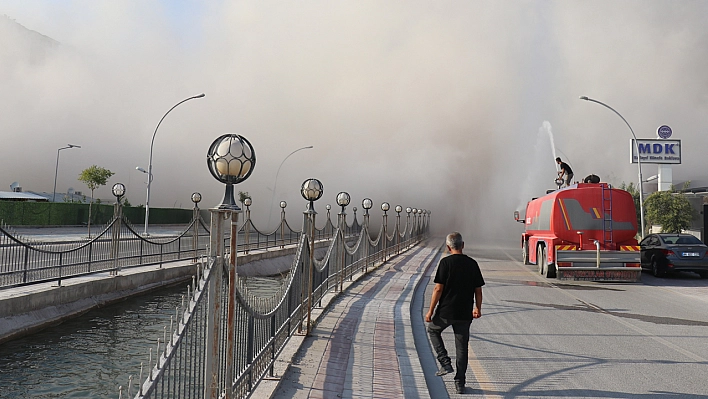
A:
x: 461, y: 328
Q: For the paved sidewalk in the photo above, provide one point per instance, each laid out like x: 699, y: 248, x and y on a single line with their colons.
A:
x: 364, y: 344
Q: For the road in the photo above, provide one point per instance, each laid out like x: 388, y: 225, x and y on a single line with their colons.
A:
x: 543, y: 338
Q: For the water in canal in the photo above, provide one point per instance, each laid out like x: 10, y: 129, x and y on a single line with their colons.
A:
x: 92, y: 355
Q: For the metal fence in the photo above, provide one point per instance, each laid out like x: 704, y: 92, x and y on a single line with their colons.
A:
x: 118, y: 245
x: 225, y: 339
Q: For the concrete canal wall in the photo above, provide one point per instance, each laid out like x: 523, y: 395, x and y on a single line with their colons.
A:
x: 27, y: 309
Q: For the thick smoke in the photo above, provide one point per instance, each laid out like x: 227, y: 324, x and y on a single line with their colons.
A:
x: 430, y: 105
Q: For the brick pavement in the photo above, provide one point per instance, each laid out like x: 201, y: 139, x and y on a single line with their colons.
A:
x: 363, y: 345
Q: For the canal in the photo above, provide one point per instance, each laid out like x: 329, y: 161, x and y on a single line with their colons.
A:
x: 90, y: 356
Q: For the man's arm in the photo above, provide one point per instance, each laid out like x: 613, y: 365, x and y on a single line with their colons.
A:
x: 437, y: 293
x: 477, y: 311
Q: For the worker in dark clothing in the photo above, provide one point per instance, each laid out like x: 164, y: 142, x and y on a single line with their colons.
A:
x: 456, y: 300
x: 565, y: 170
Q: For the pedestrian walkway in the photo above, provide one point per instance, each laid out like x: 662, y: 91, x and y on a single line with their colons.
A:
x: 371, y: 341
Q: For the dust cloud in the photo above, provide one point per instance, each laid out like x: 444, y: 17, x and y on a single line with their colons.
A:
x: 440, y: 106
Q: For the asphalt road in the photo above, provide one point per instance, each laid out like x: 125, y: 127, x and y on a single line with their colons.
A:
x: 542, y: 338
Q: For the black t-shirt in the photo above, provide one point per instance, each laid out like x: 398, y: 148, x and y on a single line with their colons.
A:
x: 564, y: 166
x: 460, y: 275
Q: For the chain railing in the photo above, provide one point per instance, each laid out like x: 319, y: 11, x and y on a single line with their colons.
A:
x: 118, y: 246
x: 226, y: 338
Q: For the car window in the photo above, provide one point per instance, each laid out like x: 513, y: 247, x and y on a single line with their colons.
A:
x: 670, y: 239
x: 647, y: 241
x: 691, y: 240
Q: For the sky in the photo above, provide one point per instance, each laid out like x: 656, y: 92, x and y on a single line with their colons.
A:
x: 449, y: 106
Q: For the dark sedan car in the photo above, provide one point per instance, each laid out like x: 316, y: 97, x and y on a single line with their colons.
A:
x: 664, y: 252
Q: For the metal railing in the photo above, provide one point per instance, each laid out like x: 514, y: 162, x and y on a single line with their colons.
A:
x: 225, y: 339
x: 119, y: 246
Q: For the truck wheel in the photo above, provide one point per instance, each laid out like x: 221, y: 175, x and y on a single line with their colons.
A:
x: 525, y: 253
x: 541, y: 260
x: 550, y: 270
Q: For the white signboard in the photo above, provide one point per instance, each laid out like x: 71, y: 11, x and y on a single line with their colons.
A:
x: 656, y: 151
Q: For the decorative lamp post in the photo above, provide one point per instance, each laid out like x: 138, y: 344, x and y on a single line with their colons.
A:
x: 247, y: 202
x: 247, y: 228
x: 366, y: 203
x: 398, y: 210
x: 283, y: 204
x: 118, y: 190
x: 408, y: 220
x: 149, y: 171
x: 343, y: 199
x: 311, y: 191
x: 196, y: 198
x: 415, y: 225
x: 639, y: 159
x: 231, y: 160
x: 385, y: 207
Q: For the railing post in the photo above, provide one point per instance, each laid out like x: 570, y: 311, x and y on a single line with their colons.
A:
x: 340, y: 260
x: 195, y: 232
x: 231, y: 304
x: 115, y: 238
x: 213, y: 329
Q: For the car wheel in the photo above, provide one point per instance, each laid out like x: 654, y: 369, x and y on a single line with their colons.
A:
x: 541, y: 260
x: 525, y: 253
x: 655, y: 269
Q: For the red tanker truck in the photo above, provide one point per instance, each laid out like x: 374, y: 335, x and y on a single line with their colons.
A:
x: 582, y: 232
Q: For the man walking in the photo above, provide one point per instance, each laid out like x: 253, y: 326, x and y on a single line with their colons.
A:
x: 456, y: 300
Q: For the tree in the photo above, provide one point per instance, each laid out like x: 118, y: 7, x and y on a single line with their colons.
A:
x: 94, y: 177
x: 632, y: 190
x: 669, y: 209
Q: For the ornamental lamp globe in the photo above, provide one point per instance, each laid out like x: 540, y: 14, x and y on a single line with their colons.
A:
x: 385, y: 207
x: 118, y: 190
x: 196, y: 198
x: 230, y: 160
x: 311, y: 190
x: 367, y: 203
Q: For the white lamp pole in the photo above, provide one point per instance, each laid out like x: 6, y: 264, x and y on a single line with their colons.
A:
x: 270, y: 212
x: 149, y: 171
x: 56, y: 169
x: 639, y: 160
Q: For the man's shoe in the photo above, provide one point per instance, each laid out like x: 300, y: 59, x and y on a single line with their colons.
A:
x: 447, y: 369
x: 460, y: 387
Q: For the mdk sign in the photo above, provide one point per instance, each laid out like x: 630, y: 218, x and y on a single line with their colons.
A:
x: 656, y: 151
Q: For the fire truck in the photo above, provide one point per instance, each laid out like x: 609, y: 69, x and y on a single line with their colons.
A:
x: 583, y: 232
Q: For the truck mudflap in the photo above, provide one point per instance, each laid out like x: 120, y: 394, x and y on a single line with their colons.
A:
x: 588, y: 265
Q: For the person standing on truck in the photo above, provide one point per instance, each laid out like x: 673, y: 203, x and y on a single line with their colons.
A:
x: 456, y: 301
x: 564, y: 170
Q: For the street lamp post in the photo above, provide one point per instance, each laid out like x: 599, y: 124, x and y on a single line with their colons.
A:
x: 149, y: 171
x: 270, y: 212
x: 56, y: 171
x: 639, y: 160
